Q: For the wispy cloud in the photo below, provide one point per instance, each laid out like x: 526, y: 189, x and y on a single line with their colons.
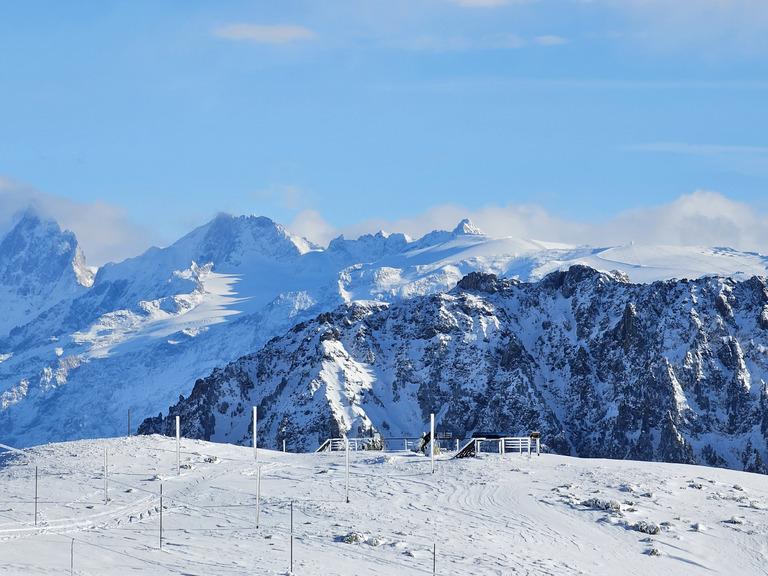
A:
x: 732, y: 13
x: 461, y: 43
x: 682, y: 148
x: 718, y: 26
x: 265, y: 34
x: 290, y: 197
x: 746, y: 160
x: 550, y: 40
x: 105, y: 232
x: 699, y: 219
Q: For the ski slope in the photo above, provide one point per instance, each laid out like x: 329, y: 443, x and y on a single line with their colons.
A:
x: 487, y: 515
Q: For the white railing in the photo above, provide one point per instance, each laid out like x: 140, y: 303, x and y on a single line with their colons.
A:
x: 507, y: 445
x: 519, y: 444
x: 511, y: 444
x: 340, y: 444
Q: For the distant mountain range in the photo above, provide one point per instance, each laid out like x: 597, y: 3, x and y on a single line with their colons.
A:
x: 79, y: 348
x: 673, y: 371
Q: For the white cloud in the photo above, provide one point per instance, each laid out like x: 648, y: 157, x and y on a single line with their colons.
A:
x: 550, y: 40
x: 311, y: 225
x: 264, y: 34
x: 527, y: 221
x: 701, y: 218
x: 104, y: 231
x: 107, y: 234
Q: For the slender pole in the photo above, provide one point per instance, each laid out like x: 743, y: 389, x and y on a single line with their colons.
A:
x: 255, y: 433
x: 72, y: 558
x: 35, y: 495
x: 291, y: 536
x: 432, y: 437
x: 258, y: 496
x: 106, y: 476
x: 161, y: 516
x: 178, y: 445
x: 283, y: 444
x: 129, y: 422
x: 434, y: 557
x: 346, y: 443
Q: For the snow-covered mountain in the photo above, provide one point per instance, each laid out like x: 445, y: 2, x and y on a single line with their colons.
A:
x: 77, y: 353
x: 39, y: 266
x: 673, y: 371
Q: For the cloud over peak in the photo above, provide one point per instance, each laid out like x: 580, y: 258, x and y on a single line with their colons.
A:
x: 104, y: 231
x: 701, y: 218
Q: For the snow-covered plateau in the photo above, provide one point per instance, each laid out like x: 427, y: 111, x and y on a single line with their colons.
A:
x: 230, y: 512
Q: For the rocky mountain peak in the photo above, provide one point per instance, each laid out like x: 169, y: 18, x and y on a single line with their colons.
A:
x: 40, y: 265
x: 368, y: 247
x: 36, y: 254
x: 466, y: 228
x: 481, y: 282
x: 230, y: 239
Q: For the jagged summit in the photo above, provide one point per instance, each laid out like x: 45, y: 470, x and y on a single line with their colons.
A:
x: 229, y: 243
x: 368, y: 247
x: 40, y: 265
x: 231, y: 239
x: 467, y: 228
x: 36, y: 250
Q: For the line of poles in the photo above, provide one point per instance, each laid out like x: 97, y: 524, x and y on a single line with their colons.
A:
x: 258, y: 499
x: 258, y: 485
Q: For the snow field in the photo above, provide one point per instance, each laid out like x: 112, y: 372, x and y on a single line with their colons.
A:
x: 488, y: 515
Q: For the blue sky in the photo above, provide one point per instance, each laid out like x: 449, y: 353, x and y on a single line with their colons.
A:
x: 569, y: 120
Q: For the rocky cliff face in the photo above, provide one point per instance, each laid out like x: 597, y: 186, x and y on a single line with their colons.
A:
x: 40, y: 265
x: 673, y: 371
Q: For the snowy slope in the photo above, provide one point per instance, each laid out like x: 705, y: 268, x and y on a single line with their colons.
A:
x: 77, y: 356
x: 493, y: 514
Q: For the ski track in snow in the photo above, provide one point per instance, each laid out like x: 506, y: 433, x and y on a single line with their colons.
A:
x: 511, y: 514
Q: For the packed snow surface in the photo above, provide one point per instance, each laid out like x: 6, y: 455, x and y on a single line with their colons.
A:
x: 494, y: 514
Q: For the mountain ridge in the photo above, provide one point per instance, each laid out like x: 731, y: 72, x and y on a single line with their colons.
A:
x: 672, y: 371
x: 149, y: 327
